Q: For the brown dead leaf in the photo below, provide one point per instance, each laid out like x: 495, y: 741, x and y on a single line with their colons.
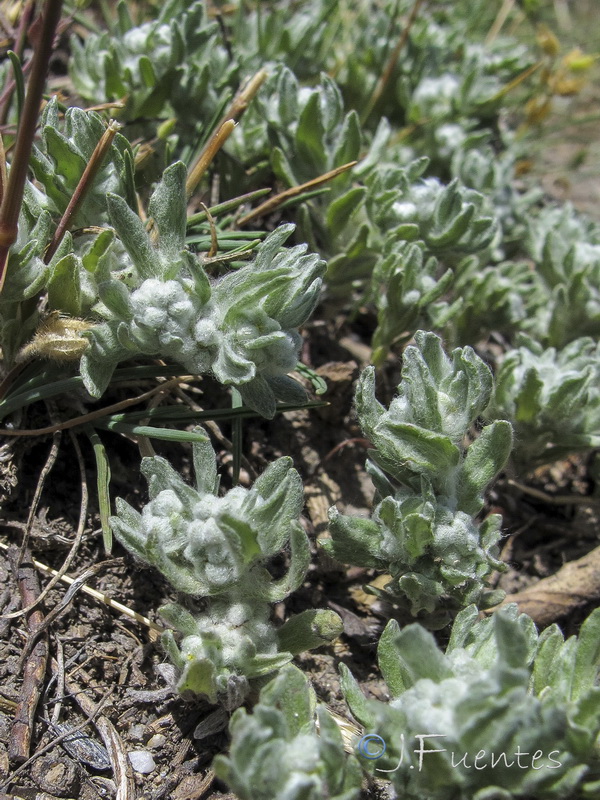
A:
x: 575, y: 584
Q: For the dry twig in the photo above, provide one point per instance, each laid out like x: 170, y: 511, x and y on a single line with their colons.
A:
x: 35, y: 666
x: 74, y: 547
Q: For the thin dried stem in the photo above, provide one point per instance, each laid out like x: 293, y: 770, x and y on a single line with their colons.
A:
x: 76, y: 542
x: 83, y: 187
x: 207, y: 155
x: 57, y: 740
x: 46, y: 469
x: 498, y: 23
x: 224, y: 128
x: 214, y: 241
x: 35, y: 666
x: 273, y: 202
x: 392, y: 61
x: 155, y: 630
x: 11, y: 202
x: 244, y: 97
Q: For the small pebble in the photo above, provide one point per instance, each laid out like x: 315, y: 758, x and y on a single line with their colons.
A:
x: 136, y: 732
x: 158, y: 740
x: 142, y: 761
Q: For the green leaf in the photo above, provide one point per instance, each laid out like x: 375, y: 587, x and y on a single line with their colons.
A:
x: 167, y: 207
x: 422, y: 390
x: 147, y: 72
x: 291, y: 693
x: 132, y: 233
x: 19, y: 82
x: 124, y: 19
x: 389, y: 663
x: 115, y: 297
x: 64, y: 153
x: 355, y: 541
x: 170, y: 647
x: 180, y: 618
x: 485, y: 458
x: 349, y: 141
x: 418, y: 656
x: 587, y: 661
x: 264, y: 663
x: 360, y: 707
x: 282, y: 167
x: 341, y: 210
x: 511, y: 641
x: 205, y: 466
x: 369, y: 409
x: 550, y: 644
x: 100, y: 247
x: 406, y: 446
x: 161, y: 475
x: 299, y: 563
x: 309, y: 629
x: 199, y: 676
x: 64, y: 287
x: 310, y: 136
x: 528, y: 400
x: 462, y: 627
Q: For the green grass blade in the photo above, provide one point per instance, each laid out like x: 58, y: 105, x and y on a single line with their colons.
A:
x: 19, y: 82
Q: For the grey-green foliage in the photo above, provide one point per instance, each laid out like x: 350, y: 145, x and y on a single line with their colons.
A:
x: 175, y: 63
x: 478, y: 165
x: 552, y: 397
x: 500, y: 297
x: 429, y: 483
x: 218, y: 548
x: 26, y: 272
x: 288, y: 749
x: 58, y: 162
x: 242, y: 328
x: 305, y: 132
x: 451, y: 220
x: 64, y: 150
x: 444, y: 73
x: 299, y: 36
x: 309, y: 131
x: 566, y: 248
x: 407, y: 290
x: 510, y: 712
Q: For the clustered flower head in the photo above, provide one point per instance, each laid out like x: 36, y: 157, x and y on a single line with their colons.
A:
x: 521, y: 706
x: 429, y: 485
x: 242, y: 328
x: 217, y: 551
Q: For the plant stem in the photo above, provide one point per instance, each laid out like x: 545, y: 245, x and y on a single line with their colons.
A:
x: 391, y: 65
x: 85, y: 183
x: 205, y: 158
x: 225, y: 127
x: 11, y: 202
x: 501, y: 18
x: 273, y: 202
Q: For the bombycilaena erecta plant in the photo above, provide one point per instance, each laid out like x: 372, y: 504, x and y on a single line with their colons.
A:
x: 215, y: 550
x: 423, y: 530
